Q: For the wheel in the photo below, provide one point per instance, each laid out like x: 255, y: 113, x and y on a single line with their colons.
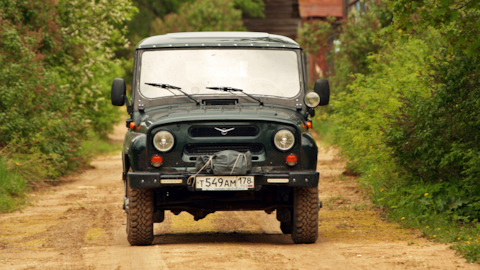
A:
x: 305, y: 215
x: 286, y: 227
x: 139, y: 216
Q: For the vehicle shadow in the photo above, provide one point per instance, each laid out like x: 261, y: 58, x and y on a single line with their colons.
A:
x: 229, y: 237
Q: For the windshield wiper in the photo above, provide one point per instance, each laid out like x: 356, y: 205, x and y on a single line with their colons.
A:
x: 168, y: 87
x: 231, y: 89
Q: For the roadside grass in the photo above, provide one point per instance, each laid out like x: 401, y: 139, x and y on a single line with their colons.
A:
x: 422, y: 207
x: 13, y: 188
x: 96, y: 145
x: 463, y: 237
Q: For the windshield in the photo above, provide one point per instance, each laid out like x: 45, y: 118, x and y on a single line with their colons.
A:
x: 256, y: 71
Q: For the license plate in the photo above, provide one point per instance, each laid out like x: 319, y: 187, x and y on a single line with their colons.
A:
x: 230, y: 182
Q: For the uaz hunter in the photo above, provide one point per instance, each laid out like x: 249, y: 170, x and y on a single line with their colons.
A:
x: 219, y: 122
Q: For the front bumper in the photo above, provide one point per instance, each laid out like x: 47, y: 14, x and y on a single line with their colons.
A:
x: 149, y: 180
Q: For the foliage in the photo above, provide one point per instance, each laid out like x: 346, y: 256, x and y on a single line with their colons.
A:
x: 38, y: 121
x: 457, y: 20
x: 408, y: 119
x: 432, y: 208
x: 94, y: 34
x: 315, y: 35
x: 363, y: 114
x: 437, y: 140
x: 252, y: 8
x: 349, y: 44
x: 469, y: 248
x: 12, y: 188
x: 151, y: 12
x: 57, y: 64
x: 208, y: 15
x: 358, y: 40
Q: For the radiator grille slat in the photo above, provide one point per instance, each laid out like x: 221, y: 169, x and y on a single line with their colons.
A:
x: 209, y: 149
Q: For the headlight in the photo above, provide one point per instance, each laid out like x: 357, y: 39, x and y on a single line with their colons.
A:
x: 312, y: 99
x: 163, y: 141
x: 284, y: 139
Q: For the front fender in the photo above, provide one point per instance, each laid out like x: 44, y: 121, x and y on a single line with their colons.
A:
x: 134, y: 150
x: 309, y: 152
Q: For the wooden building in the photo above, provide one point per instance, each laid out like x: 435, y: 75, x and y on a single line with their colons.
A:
x: 282, y: 17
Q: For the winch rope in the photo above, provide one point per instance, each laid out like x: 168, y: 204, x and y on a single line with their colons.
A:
x: 194, y: 177
x: 238, y: 157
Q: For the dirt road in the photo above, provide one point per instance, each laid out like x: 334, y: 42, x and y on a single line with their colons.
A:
x: 80, y: 224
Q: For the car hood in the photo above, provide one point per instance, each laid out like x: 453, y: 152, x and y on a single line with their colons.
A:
x: 175, y: 114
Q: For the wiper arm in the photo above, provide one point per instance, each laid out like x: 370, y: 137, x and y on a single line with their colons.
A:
x: 168, y: 87
x: 163, y: 85
x: 231, y: 89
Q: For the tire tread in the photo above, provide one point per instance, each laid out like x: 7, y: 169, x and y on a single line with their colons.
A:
x: 140, y: 217
x: 305, y: 215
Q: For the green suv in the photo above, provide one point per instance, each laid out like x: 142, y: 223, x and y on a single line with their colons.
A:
x: 219, y: 122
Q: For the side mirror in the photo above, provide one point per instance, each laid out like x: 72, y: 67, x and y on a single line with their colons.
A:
x: 322, y: 88
x: 119, y: 92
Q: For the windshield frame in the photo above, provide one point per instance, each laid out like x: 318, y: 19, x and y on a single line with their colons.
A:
x: 141, y: 101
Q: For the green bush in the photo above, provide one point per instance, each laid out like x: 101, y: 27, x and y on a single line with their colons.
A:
x: 38, y: 122
x: 365, y: 112
x: 436, y: 139
x: 409, y: 122
x: 58, y: 60
x: 357, y: 40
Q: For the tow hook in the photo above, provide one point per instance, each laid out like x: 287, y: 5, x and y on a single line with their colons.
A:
x: 320, y: 205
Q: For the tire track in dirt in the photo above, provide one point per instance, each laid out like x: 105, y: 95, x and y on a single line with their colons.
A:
x: 80, y: 224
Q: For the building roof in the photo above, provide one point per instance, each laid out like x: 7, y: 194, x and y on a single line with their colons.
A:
x: 217, y: 39
x: 321, y: 8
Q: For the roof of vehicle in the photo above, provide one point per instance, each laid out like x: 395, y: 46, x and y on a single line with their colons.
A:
x: 217, y: 39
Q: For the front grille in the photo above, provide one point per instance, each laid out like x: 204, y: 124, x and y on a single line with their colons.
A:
x: 209, y: 149
x: 223, y: 131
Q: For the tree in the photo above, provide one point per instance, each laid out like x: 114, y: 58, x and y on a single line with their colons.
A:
x: 207, y: 15
x: 57, y: 63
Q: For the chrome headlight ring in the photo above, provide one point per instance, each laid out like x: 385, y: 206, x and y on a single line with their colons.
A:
x: 163, y: 141
x: 284, y: 139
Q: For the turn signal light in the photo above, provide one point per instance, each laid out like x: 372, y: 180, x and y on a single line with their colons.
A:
x: 132, y: 126
x: 291, y: 160
x: 309, y: 124
x: 157, y: 161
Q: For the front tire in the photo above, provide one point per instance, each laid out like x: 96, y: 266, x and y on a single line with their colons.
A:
x: 305, y: 215
x: 139, y: 216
